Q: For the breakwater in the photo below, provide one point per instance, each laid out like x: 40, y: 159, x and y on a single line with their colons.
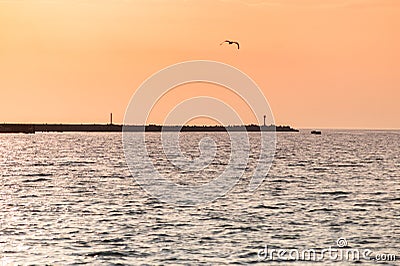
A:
x: 33, y: 128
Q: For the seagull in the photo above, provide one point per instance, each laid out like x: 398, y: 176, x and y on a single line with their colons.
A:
x: 231, y: 42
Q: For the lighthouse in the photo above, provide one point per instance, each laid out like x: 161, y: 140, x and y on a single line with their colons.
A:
x: 265, y: 120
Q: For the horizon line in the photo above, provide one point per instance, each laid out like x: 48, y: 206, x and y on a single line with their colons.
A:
x: 202, y: 125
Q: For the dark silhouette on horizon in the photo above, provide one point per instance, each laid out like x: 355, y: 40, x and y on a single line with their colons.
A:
x: 33, y: 128
x: 231, y: 42
x: 316, y: 132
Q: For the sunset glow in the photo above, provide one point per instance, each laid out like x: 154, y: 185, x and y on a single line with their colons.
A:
x: 330, y: 65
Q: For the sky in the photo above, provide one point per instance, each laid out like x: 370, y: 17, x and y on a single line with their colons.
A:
x: 320, y: 64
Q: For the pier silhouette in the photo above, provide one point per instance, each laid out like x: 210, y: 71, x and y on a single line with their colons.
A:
x: 33, y: 128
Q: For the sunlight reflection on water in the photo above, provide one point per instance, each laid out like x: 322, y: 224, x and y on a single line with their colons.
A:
x: 69, y: 198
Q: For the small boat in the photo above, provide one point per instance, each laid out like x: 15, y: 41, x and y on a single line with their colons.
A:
x: 316, y: 132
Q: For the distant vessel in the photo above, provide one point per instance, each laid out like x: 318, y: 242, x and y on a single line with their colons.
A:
x: 316, y: 132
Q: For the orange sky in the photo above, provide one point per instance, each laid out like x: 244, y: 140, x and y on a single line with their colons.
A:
x: 324, y: 64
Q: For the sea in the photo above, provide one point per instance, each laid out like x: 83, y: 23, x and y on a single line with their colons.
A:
x: 71, y: 199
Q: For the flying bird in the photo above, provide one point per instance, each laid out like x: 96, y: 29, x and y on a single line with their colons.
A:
x: 231, y: 42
